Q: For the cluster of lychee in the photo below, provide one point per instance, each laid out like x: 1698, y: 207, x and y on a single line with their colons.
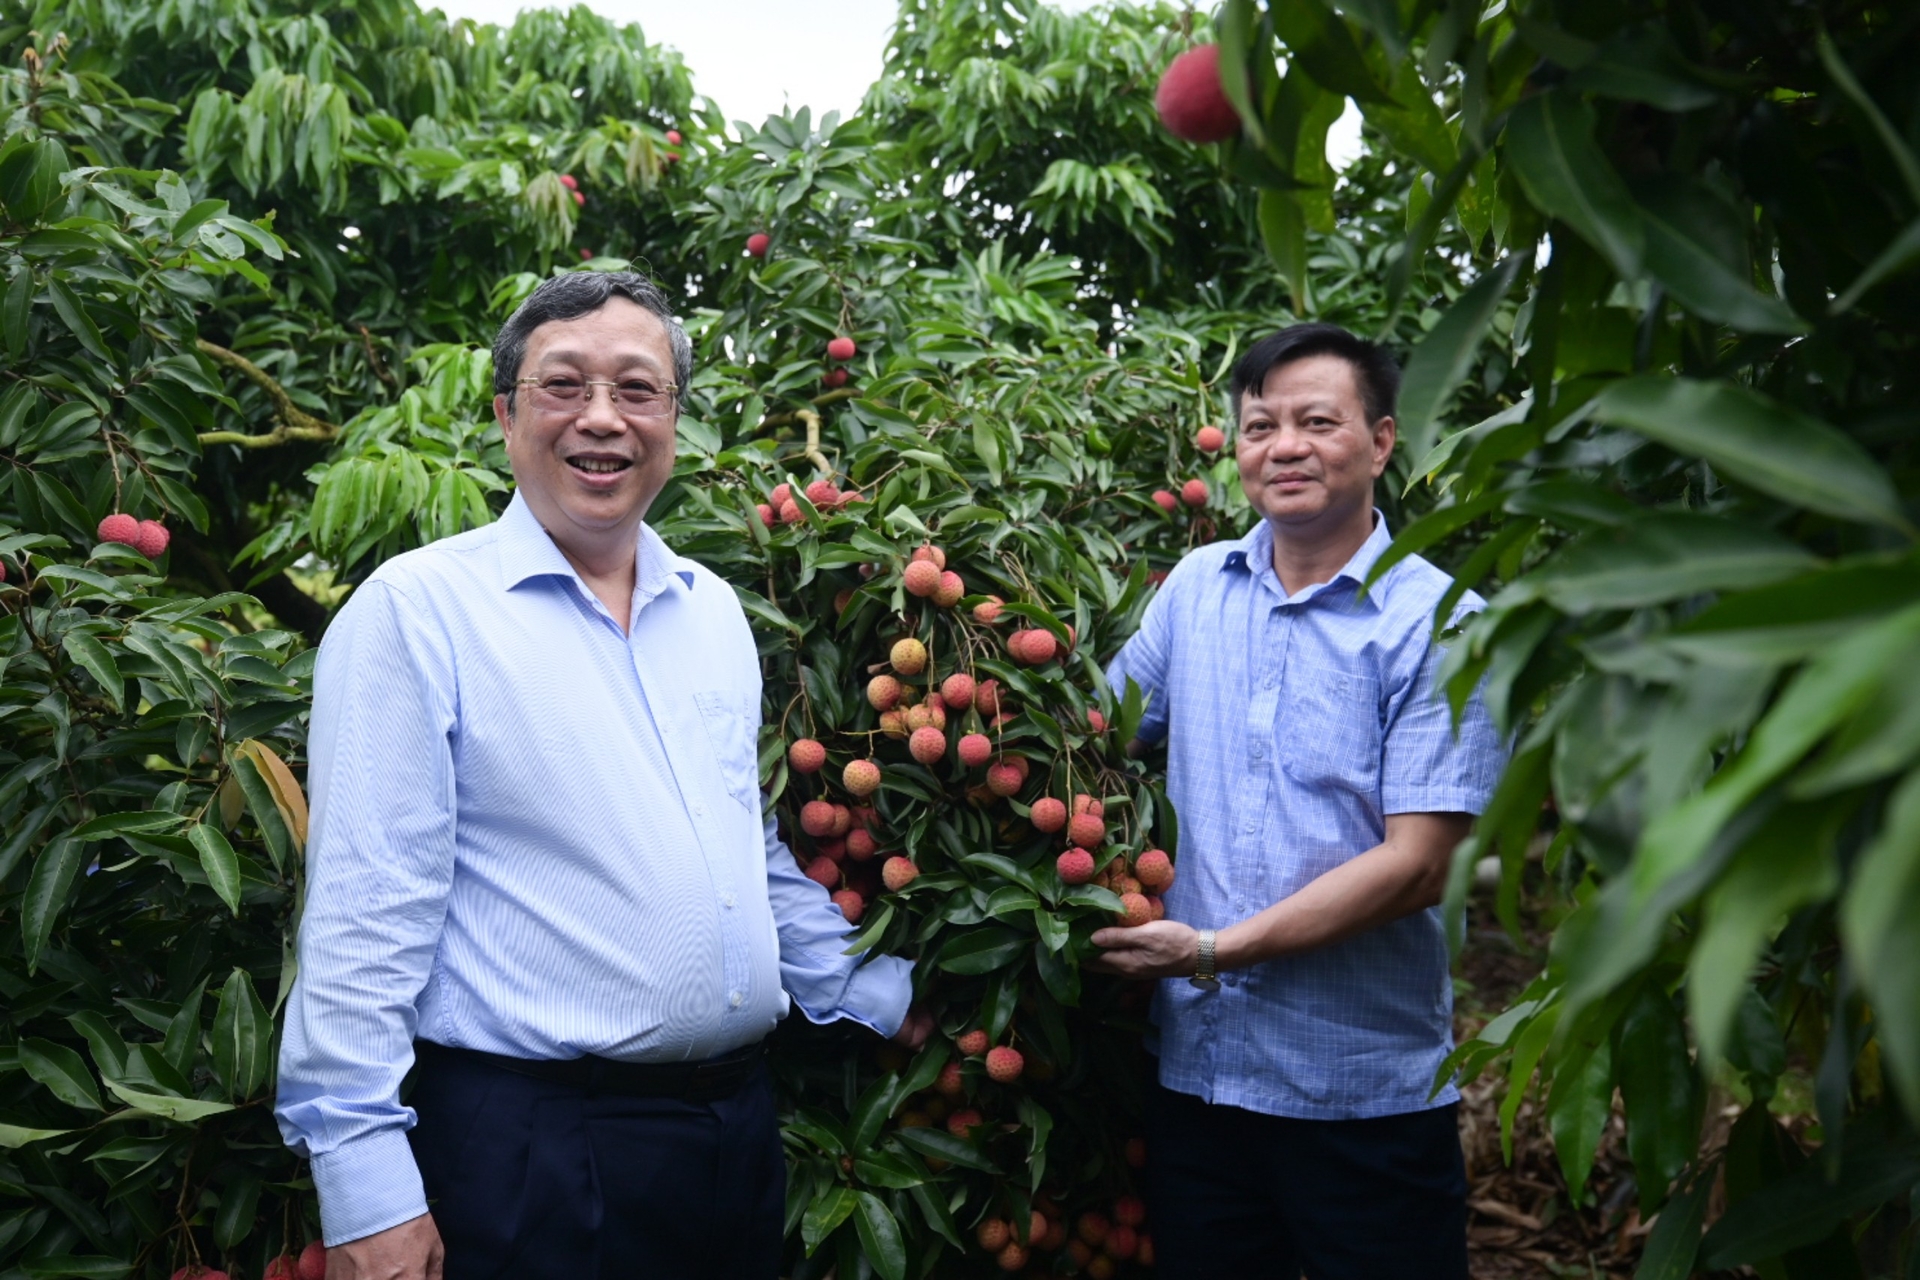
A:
x: 1194, y: 493
x: 825, y: 495
x: 310, y: 1265
x: 1096, y: 1243
x: 846, y: 838
x: 148, y: 537
x: 1138, y: 883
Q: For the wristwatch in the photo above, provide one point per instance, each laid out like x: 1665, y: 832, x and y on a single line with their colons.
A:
x: 1203, y: 975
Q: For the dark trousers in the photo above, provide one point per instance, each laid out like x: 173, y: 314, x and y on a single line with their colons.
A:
x: 1235, y: 1195
x: 527, y: 1178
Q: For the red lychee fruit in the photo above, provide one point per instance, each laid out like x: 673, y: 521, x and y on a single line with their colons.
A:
x: 1096, y: 721
x: 1101, y: 1267
x: 313, y: 1261
x: 816, y: 818
x: 952, y: 589
x: 1194, y: 492
x: 1121, y: 1242
x: 151, y: 539
x: 1019, y: 764
x: 568, y: 181
x: 1087, y: 831
x: 986, y: 698
x: 825, y: 872
x: 1003, y: 779
x: 580, y: 198
x: 1154, y: 869
x: 861, y: 845
x: 1129, y: 1211
x: 122, y: 528
x: 1134, y: 911
x: 586, y: 255
x: 823, y: 494
x: 973, y: 1043
x: 1077, y: 1250
x: 1164, y: 499
x: 1209, y: 439
x: 282, y: 1268
x: 987, y: 612
x: 898, y: 873
x: 806, y: 756
x: 927, y: 745
x: 920, y: 578
x: 1037, y: 1224
x: 830, y: 848
x: 757, y: 244
x: 841, y: 348
x: 1191, y: 103
x: 957, y: 691
x: 860, y: 777
x: 673, y: 137
x: 851, y: 904
x: 962, y: 1123
x: 1075, y: 866
x: 1033, y: 646
x: 1084, y: 803
x: 1159, y: 906
x: 1004, y: 1064
x: 927, y: 551
x: 908, y: 656
x: 1092, y: 1227
x: 834, y: 379
x: 781, y: 492
x: 929, y: 714
x: 842, y: 820
x: 1056, y: 1236
x: 766, y: 514
x: 883, y: 693
x: 1011, y: 1258
x: 1127, y: 884
x: 993, y: 1234
x: 949, y: 1082
x: 975, y: 750
x: 1049, y: 815
x: 790, y: 512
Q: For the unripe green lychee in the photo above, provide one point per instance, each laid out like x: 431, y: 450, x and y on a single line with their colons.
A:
x: 806, y: 756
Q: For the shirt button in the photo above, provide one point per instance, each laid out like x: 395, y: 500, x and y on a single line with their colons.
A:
x: 699, y: 810
x: 1248, y: 828
x: 1259, y: 750
x: 734, y: 998
x: 727, y: 898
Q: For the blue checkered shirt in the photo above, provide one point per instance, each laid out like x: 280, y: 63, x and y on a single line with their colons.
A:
x: 1294, y: 725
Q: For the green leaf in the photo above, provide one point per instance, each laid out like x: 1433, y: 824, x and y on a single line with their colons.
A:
x: 239, y: 1198
x: 184, y: 1110
x: 1780, y: 451
x: 1441, y: 361
x: 69, y: 1267
x: 1641, y: 64
x: 1660, y: 1092
x: 1662, y: 557
x: 1675, y: 1239
x: 16, y: 311
x: 91, y: 654
x: 242, y: 1037
x: 67, y: 305
x: 62, y: 1071
x: 1579, y: 1116
x: 1806, y: 1204
x: 1237, y: 28
x: 1283, y: 226
x: 1902, y: 252
x: 945, y: 1146
x: 220, y: 862
x: 13, y: 1137
x: 880, y: 1237
x: 47, y: 890
x: 1876, y: 922
x: 1325, y: 46
x: 1550, y: 145
x: 1700, y: 279
x: 981, y: 950
x: 825, y: 1215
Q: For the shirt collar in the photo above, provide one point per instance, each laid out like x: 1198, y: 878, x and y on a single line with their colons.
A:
x: 1254, y: 554
x: 528, y: 551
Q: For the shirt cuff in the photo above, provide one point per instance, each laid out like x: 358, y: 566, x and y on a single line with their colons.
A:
x: 1437, y: 800
x: 877, y: 996
x: 367, y: 1185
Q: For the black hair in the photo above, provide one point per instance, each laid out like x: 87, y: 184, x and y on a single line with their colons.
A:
x: 1375, y: 371
x: 579, y: 293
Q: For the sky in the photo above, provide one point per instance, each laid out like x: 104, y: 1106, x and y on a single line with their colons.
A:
x: 753, y: 56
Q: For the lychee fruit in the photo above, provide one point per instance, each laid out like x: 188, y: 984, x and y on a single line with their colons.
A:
x: 929, y: 714
x: 1019, y: 765
x: 757, y: 244
x: 120, y: 527
x: 790, y: 512
x: 1003, y: 779
x: 1154, y: 869
x: 766, y: 514
x: 986, y: 698
x: 1164, y: 499
x: 1134, y: 911
x: 580, y: 198
x: 1191, y: 103
x: 1096, y: 721
x: 851, y: 904
x: 987, y: 612
x: 1144, y: 1254
x: 151, y: 539
x: 927, y: 745
x: 957, y: 691
x: 1194, y: 492
x: 1087, y: 831
x: 973, y: 1043
x: 898, y: 873
x: 282, y: 1268
x: 861, y: 845
x: 920, y: 578
x: 1004, y: 1064
x: 927, y: 551
x: 975, y: 749
x: 951, y: 590
x: 823, y: 494
x: 1075, y: 866
x: 963, y: 1122
x: 1037, y: 1225
x: 780, y: 494
x: 1101, y: 1267
x: 1084, y: 803
x: 1049, y: 815
x: 1129, y: 1211
x: 806, y: 756
x: 842, y: 820
x: 1121, y: 1242
x: 834, y: 379
x: 908, y: 656
x: 673, y: 137
x: 824, y: 871
x: 883, y: 693
x: 1092, y: 1227
x: 860, y: 777
x: 893, y: 723
x: 313, y: 1261
x: 1159, y: 906
x: 1209, y: 439
x: 1032, y: 646
x: 570, y: 182
x: 841, y: 348
x: 1055, y: 1237
x: 816, y: 818
x: 949, y: 1081
x: 993, y: 1234
x: 1011, y: 1258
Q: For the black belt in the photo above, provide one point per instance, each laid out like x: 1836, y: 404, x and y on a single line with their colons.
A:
x: 706, y: 1081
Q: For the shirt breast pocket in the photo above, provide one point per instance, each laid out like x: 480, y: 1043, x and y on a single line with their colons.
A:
x: 733, y: 730
x: 1333, y: 730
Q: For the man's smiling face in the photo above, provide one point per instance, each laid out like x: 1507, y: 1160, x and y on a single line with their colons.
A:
x: 1307, y: 454
x: 590, y: 472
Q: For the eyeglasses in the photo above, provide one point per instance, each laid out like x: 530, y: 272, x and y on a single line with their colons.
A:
x: 633, y: 398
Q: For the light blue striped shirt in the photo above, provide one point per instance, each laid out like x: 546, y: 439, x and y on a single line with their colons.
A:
x: 1294, y: 725
x: 537, y: 836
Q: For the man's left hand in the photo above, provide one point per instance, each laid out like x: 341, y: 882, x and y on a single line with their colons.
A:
x: 914, y: 1031
x: 1162, y: 949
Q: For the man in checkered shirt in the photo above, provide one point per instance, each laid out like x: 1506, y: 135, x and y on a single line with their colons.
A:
x: 1321, y: 788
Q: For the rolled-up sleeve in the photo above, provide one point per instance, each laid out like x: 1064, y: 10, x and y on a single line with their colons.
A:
x: 378, y: 872
x: 825, y: 982
x: 1426, y: 765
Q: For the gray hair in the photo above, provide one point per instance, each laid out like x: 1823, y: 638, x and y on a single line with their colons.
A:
x: 579, y: 293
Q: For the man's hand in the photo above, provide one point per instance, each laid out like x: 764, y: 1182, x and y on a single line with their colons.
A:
x: 410, y: 1251
x: 912, y: 1034
x: 1162, y: 949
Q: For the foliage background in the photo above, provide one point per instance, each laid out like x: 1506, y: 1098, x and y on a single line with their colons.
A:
x: 253, y: 252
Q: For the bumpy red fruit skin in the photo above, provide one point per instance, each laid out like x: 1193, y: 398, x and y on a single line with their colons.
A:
x: 1159, y: 906
x: 861, y: 845
x: 120, y: 527
x: 964, y: 1121
x: 927, y: 745
x: 1075, y: 866
x: 806, y: 756
x: 1056, y: 1237
x: 909, y: 657
x: 957, y: 691
x: 758, y: 243
x: 951, y: 590
x: 823, y: 494
x: 151, y: 540
x: 927, y: 551
x: 1011, y: 1258
x: 790, y: 512
x: 842, y: 820
x: 1096, y: 721
x: 1003, y: 779
x: 1135, y: 910
x: 987, y: 612
x: 313, y: 1262
x: 975, y: 750
x: 835, y: 849
x: 893, y: 723
x: 1164, y: 499
x: 1191, y: 103
x: 930, y: 714
x: 580, y: 198
x: 851, y: 905
x: 898, y: 873
x: 1037, y: 1227
x: 949, y: 1082
x: 973, y: 1043
x: 281, y: 1268
x: 1092, y: 1228
x: 1048, y: 814
x: 1154, y: 869
x: 1209, y: 439
x: 766, y: 514
x: 816, y: 818
x: 993, y: 1234
x: 883, y: 693
x: 1129, y: 1211
x: 1194, y: 492
x: 986, y: 698
x: 1087, y: 831
x: 781, y: 492
x: 1121, y: 1242
x: 834, y: 379
x: 861, y: 777
x: 824, y: 872
x: 841, y: 348
x: 1084, y: 803
x: 920, y: 578
x: 1004, y: 1064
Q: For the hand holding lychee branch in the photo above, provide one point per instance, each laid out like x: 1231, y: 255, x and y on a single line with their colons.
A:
x: 1157, y: 949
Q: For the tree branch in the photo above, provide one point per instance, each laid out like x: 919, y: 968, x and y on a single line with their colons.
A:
x: 788, y: 418
x: 294, y: 422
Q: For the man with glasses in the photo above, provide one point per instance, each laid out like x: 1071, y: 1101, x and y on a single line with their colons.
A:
x: 540, y: 866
